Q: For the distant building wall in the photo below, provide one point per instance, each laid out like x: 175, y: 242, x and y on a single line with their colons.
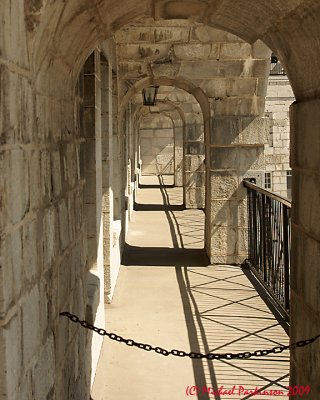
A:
x: 157, y: 146
x: 277, y: 176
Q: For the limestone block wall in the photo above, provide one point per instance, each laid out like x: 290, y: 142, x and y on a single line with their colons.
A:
x: 157, y: 145
x: 236, y: 152
x: 43, y: 239
x: 43, y: 47
x: 278, y: 100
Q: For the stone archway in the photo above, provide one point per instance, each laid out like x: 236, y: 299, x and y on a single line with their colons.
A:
x: 43, y: 48
x: 202, y: 99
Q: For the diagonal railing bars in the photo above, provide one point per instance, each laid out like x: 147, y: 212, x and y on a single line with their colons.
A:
x: 269, y: 242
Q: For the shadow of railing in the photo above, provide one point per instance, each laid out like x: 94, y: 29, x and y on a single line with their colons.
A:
x: 231, y: 317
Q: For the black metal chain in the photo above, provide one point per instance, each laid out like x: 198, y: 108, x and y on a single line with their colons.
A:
x: 179, y: 353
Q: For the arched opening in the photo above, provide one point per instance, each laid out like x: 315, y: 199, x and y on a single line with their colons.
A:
x: 43, y: 48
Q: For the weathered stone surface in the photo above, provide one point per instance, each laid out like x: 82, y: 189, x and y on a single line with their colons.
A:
x: 30, y: 325
x: 6, y: 278
x: 192, y: 52
x: 135, y: 35
x: 260, y: 50
x: 224, y: 158
x: 224, y: 213
x: 211, y: 69
x: 43, y: 45
x: 305, y: 118
x: 10, y: 354
x: 195, y: 179
x: 205, y: 35
x: 245, y: 86
x: 235, y: 51
x: 239, y: 130
x: 132, y: 70
x: 225, y: 241
x: 306, y: 186
x: 194, y: 131
x: 195, y: 197
x: 169, y: 70
x: 194, y: 163
x: 194, y: 148
x: 42, y: 378
x: 145, y: 52
x: 157, y: 145
x: 239, y: 106
x: 224, y: 185
x: 167, y: 35
x: 216, y: 87
x: 50, y: 228
x: 17, y: 184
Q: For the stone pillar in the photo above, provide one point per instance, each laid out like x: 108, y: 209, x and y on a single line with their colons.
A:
x: 305, y: 253
x: 116, y: 146
x: 92, y: 172
x: 194, y: 156
x: 178, y: 152
x: 110, y: 270
x: 235, y: 152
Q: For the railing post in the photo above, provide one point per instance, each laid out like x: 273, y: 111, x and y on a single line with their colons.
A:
x: 286, y: 256
x: 264, y: 239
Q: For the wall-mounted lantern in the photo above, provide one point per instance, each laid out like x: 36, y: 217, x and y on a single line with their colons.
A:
x: 150, y: 95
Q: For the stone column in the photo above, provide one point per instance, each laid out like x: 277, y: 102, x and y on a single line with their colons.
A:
x: 178, y: 152
x: 92, y: 172
x: 305, y: 253
x: 194, y: 156
x: 107, y: 172
x: 235, y: 152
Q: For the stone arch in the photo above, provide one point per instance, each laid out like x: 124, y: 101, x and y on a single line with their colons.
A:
x: 60, y: 27
x: 60, y: 35
x: 170, y: 108
x: 202, y: 99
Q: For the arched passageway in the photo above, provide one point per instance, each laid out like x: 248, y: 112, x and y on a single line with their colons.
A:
x: 44, y: 46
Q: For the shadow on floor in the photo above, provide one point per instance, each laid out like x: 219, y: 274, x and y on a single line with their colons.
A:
x: 147, y: 186
x: 158, y: 207
x: 223, y: 313
x: 163, y: 256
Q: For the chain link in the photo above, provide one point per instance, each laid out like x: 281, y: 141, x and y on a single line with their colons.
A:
x: 179, y: 353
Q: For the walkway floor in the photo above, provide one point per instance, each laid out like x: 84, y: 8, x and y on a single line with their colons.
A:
x: 168, y: 296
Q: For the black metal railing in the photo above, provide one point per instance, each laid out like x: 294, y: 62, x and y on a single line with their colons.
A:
x: 276, y: 68
x: 270, y: 241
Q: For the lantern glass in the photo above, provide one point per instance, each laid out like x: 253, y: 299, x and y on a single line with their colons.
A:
x: 150, y: 95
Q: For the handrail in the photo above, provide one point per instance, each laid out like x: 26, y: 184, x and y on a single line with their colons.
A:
x: 273, y: 195
x: 269, y: 242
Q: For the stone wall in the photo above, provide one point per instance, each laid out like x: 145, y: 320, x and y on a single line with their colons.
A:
x: 157, y: 146
x: 278, y: 100
x: 43, y: 241
x: 43, y: 236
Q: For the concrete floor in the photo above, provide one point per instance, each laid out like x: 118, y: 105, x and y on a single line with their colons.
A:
x: 168, y: 296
